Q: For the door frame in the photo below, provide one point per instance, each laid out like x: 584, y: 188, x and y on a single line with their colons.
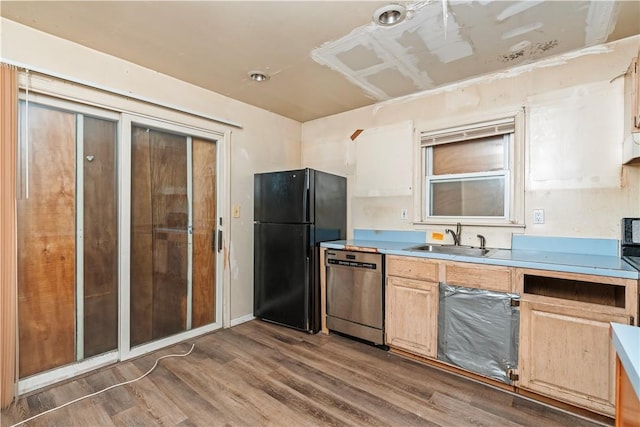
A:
x: 124, y: 164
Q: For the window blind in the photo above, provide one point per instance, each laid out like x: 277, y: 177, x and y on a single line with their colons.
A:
x: 469, y: 132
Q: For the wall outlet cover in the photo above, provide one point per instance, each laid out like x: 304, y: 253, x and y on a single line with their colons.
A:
x: 538, y: 216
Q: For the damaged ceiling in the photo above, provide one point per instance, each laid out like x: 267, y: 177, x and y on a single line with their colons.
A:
x: 326, y: 57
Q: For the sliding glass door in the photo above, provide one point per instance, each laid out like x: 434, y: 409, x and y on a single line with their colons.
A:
x: 67, y: 237
x: 173, y: 233
x: 119, y: 231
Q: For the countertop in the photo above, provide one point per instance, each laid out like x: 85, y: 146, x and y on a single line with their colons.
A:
x: 600, y: 265
x: 626, y: 340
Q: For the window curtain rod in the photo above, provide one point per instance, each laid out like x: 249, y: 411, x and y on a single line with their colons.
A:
x: 119, y: 92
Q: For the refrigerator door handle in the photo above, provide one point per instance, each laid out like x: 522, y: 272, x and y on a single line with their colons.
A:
x: 306, y: 197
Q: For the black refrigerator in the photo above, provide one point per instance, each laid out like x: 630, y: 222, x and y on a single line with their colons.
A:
x: 293, y: 212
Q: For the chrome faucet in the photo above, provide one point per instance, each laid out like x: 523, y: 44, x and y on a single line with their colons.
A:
x: 455, y: 234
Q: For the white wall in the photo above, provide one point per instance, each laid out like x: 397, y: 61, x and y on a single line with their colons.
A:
x: 266, y: 141
x: 573, y: 144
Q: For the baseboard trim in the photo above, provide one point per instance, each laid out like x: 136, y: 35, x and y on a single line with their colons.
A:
x: 239, y: 320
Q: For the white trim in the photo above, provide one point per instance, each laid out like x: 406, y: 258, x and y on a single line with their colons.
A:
x: 471, y: 221
x: 223, y: 268
x: 79, y: 250
x: 174, y: 127
x: 44, y: 379
x: 190, y: 201
x: 111, y: 90
x: 124, y: 235
x: 170, y: 340
x: 453, y: 177
x: 240, y: 320
x: 75, y: 107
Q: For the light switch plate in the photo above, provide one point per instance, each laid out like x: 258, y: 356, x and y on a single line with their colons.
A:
x: 404, y: 214
x: 236, y: 211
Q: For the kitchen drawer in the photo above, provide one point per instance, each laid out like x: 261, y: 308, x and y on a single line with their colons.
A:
x: 412, y: 268
x: 479, y: 276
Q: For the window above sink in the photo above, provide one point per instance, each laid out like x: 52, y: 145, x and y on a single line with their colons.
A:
x: 473, y: 173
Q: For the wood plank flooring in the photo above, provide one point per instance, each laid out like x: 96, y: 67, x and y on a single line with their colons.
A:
x: 259, y: 374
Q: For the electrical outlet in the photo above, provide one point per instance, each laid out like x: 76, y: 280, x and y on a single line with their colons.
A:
x: 538, y: 216
x: 404, y: 214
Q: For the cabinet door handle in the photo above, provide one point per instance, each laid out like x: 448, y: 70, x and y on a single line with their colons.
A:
x: 219, y: 240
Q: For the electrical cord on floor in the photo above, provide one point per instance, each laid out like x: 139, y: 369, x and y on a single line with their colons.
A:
x: 105, y: 389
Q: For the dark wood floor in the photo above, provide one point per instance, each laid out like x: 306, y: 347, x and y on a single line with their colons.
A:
x: 258, y: 374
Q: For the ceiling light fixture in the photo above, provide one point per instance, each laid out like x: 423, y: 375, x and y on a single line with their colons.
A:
x: 390, y: 15
x: 258, y: 76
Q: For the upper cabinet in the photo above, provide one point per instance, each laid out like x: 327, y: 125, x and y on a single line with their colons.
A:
x: 635, y: 93
x: 631, y: 149
x: 384, y: 165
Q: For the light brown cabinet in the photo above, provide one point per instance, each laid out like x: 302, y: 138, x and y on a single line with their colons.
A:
x: 565, y: 351
x: 565, y: 348
x: 411, y: 318
x: 412, y: 268
x: 478, y: 276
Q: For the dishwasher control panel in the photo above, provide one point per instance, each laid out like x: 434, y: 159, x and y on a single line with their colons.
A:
x: 355, y: 264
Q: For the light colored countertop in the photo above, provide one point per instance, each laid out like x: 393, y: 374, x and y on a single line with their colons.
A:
x: 600, y: 265
x: 626, y: 341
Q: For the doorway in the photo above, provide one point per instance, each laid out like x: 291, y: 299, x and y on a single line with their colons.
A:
x: 173, y: 233
x: 119, y: 234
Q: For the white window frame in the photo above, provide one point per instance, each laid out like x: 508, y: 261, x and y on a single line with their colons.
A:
x: 510, y: 124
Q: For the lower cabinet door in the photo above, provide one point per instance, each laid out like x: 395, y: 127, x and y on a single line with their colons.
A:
x: 566, y: 353
x: 412, y: 315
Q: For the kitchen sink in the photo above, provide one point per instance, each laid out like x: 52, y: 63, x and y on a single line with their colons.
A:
x: 453, y: 250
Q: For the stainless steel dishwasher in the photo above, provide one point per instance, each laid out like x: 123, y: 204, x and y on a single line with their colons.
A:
x: 355, y: 294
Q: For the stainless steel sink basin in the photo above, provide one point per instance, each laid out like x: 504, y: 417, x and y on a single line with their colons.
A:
x: 453, y: 250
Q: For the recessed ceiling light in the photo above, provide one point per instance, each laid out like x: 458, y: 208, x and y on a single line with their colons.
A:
x: 258, y: 76
x: 389, y: 15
